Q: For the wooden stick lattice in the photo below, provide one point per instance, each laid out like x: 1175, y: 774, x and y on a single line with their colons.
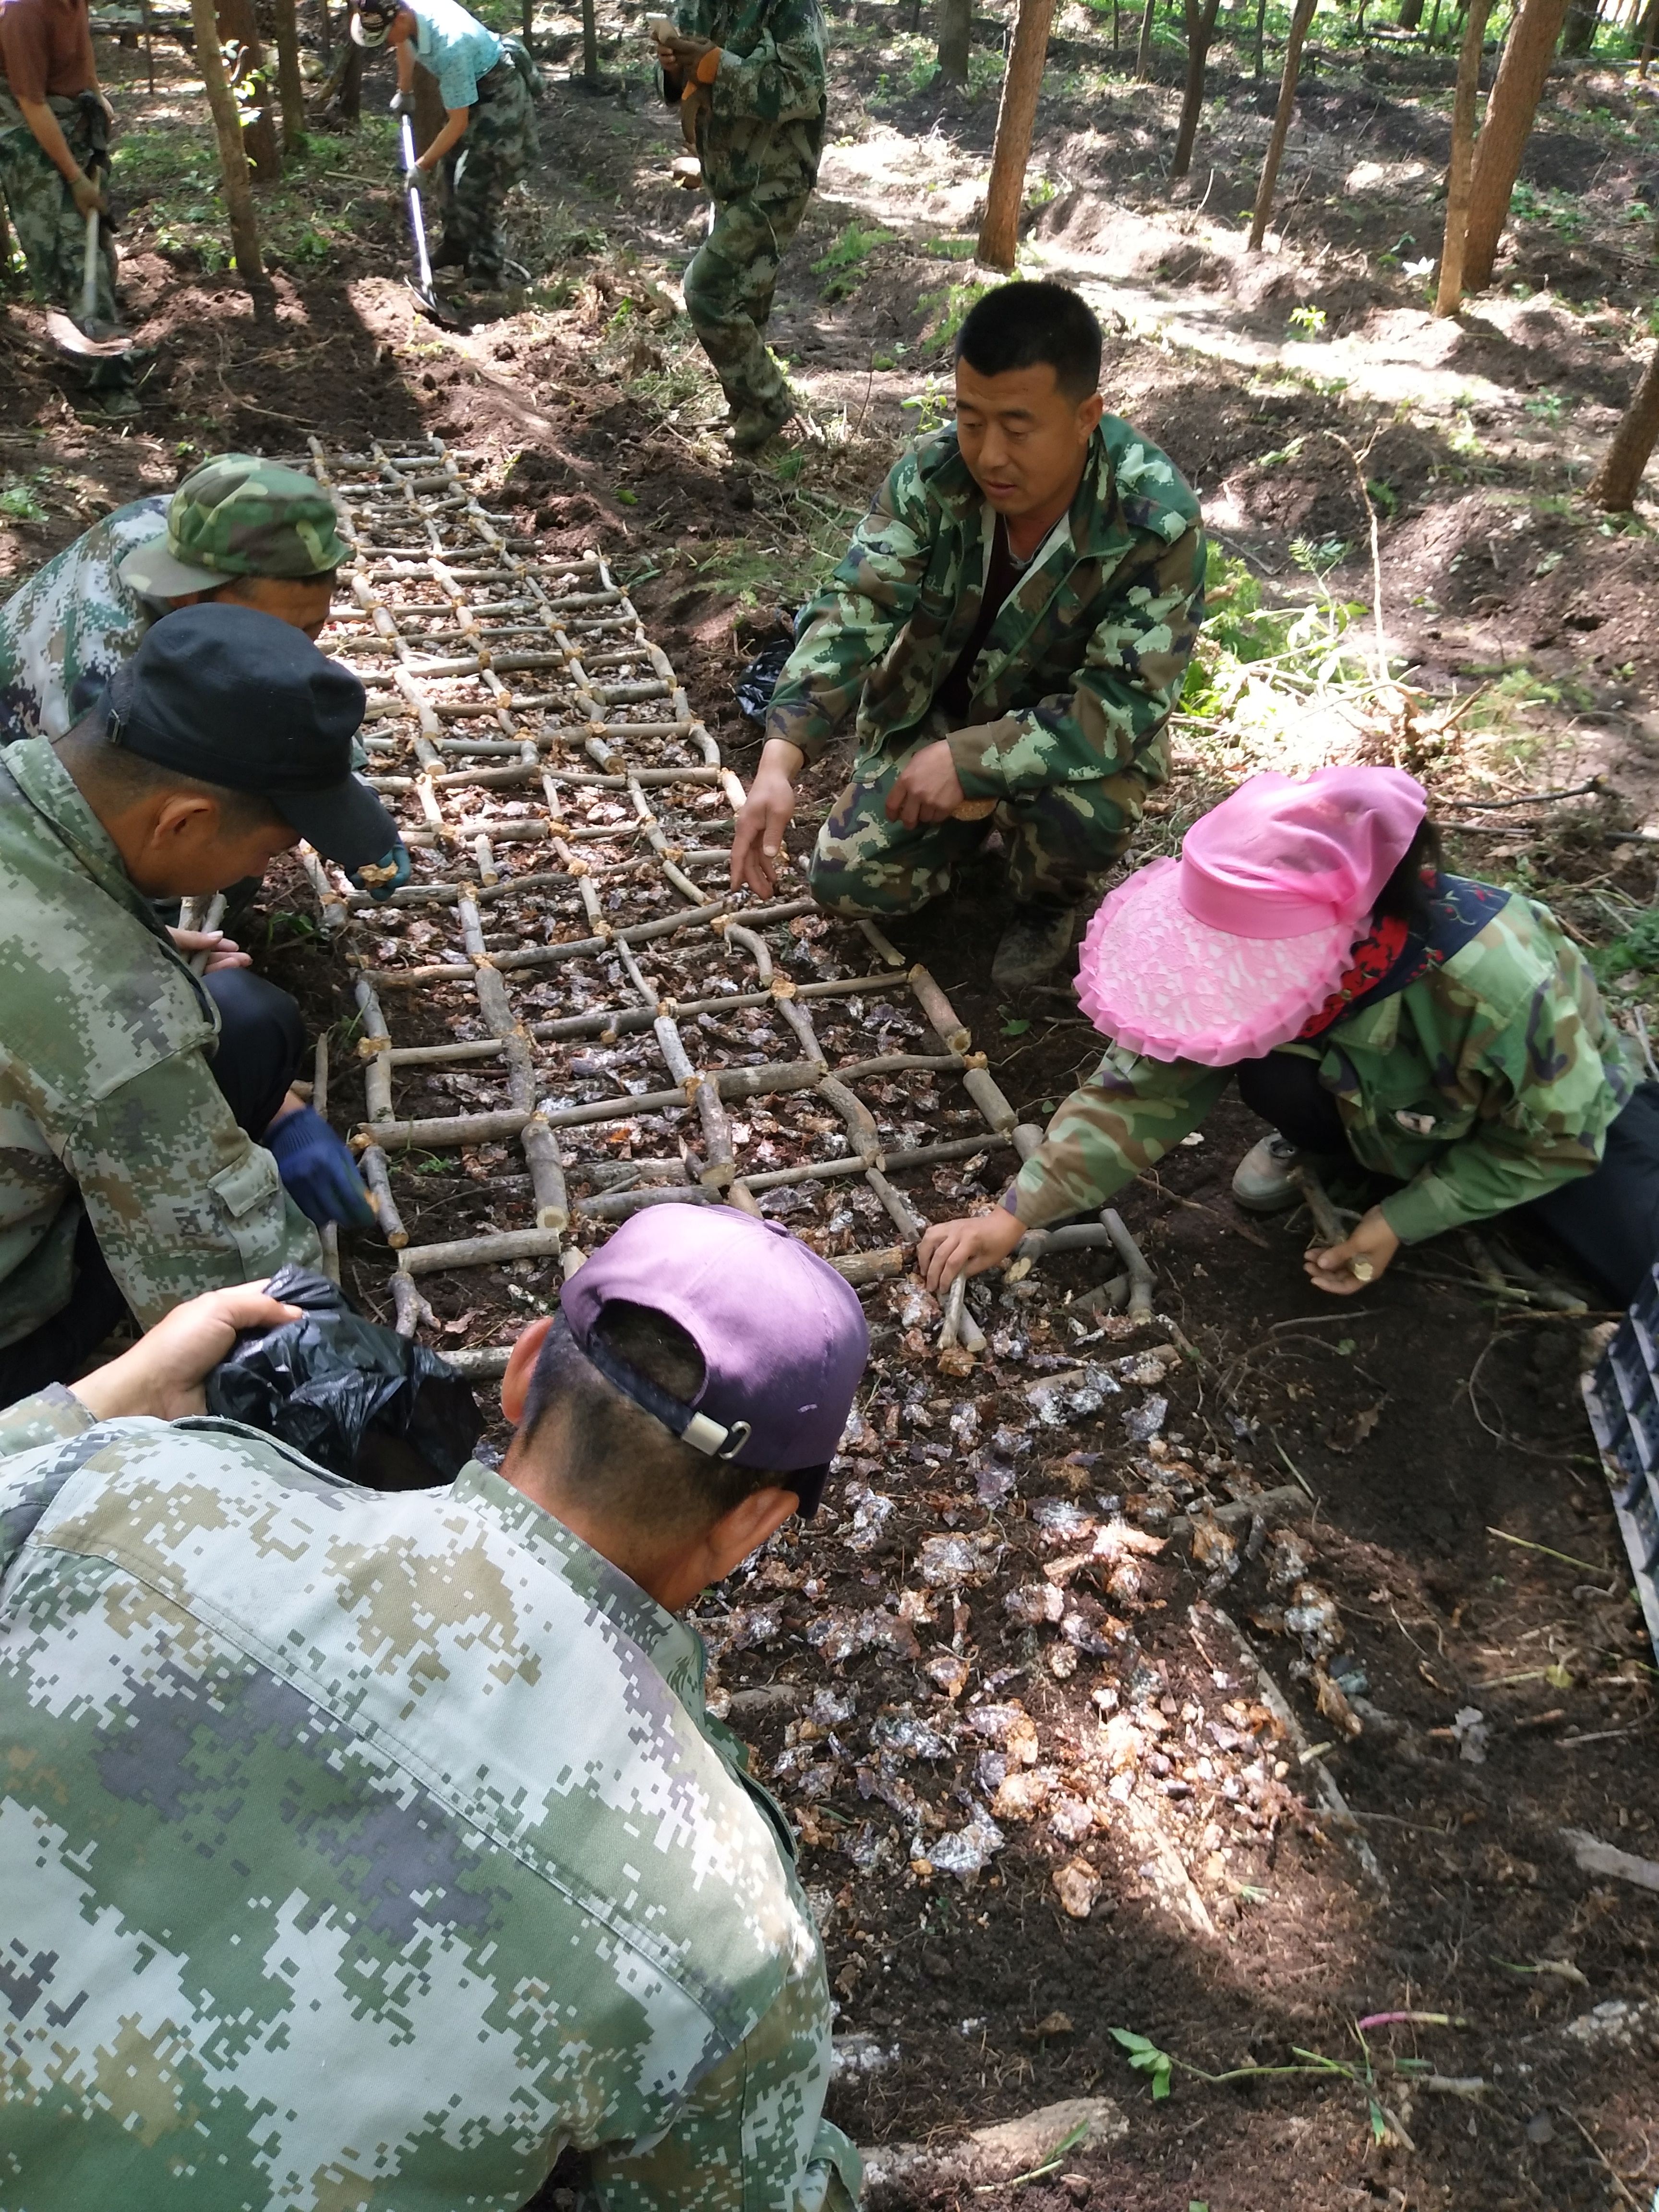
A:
x: 571, y: 842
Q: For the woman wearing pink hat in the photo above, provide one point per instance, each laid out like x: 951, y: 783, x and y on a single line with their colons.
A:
x: 1440, y: 1033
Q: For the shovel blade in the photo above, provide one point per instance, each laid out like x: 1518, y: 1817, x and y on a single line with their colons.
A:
x: 430, y: 305
x: 67, y: 338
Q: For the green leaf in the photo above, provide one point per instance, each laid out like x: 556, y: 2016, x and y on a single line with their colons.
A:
x: 1015, y: 1028
x: 1145, y: 2057
x: 628, y: 498
x: 1379, y: 2125
x: 1344, y: 1344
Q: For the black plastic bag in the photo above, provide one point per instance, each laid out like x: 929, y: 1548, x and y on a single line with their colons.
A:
x: 358, y: 1398
x: 758, y: 679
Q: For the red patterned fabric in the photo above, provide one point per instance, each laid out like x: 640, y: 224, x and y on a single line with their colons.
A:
x: 1373, y: 956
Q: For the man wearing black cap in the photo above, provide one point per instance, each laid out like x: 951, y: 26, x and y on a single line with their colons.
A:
x: 151, y: 1145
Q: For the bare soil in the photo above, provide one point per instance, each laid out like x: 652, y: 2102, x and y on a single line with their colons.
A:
x: 1233, y: 1921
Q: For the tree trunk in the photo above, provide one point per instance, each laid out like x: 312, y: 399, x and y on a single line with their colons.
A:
x: 1200, y: 29
x: 1613, y: 485
x: 590, y: 44
x: 956, y: 30
x: 527, y: 27
x: 1261, y: 30
x: 1578, y: 32
x: 234, y: 20
x: 1000, y: 233
x: 1528, y: 52
x: 1410, y: 14
x: 233, y: 154
x: 1281, y: 131
x: 1650, y: 36
x: 290, y: 84
x: 1144, y: 50
x: 1450, y: 296
x: 325, y: 35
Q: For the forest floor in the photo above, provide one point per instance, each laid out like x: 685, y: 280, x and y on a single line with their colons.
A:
x: 1436, y: 1436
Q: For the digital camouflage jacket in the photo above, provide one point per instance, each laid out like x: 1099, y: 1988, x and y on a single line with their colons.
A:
x: 364, y: 1851
x: 760, y: 136
x: 66, y: 632
x: 105, y: 1084
x: 1488, y: 1081
x: 1083, y: 663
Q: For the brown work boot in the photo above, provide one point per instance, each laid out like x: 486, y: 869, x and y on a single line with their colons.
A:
x: 751, y: 427
x: 1034, y: 945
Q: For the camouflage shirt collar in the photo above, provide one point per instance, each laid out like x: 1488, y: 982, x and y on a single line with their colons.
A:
x: 674, y: 1650
x: 52, y: 791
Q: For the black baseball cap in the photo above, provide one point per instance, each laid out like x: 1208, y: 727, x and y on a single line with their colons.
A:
x: 234, y: 698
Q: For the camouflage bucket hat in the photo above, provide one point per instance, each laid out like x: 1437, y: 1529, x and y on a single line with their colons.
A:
x: 238, y: 515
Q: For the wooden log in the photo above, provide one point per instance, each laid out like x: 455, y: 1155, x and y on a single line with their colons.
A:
x: 480, y: 1251
x: 990, y: 1101
x: 372, y: 1160
x: 909, y: 1224
x: 861, y: 1267
x: 1141, y: 1274
x: 861, y: 1121
x: 952, y: 1034
x: 620, y: 1205
x: 541, y: 1152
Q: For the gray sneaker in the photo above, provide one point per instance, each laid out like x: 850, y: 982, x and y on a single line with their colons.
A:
x: 1033, y: 945
x: 1261, y: 1181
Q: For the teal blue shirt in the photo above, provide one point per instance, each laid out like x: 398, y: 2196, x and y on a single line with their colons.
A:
x: 457, y: 48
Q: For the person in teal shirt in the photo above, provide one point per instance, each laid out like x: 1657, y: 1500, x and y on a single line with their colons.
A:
x: 489, y: 142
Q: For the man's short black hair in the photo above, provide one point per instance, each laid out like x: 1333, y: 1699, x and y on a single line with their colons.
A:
x: 1023, y: 325
x: 618, y: 1458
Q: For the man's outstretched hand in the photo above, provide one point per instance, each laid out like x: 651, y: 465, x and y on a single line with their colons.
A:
x: 164, y: 1373
x: 928, y: 790
x: 757, y: 841
x: 1344, y: 1268
x: 966, y: 1247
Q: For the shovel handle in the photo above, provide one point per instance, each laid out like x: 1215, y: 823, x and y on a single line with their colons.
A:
x: 417, y: 215
x: 89, y: 271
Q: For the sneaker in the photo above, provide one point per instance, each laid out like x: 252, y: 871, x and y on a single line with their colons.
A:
x: 452, y: 254
x: 1261, y: 1181
x: 751, y: 427
x: 1033, y: 945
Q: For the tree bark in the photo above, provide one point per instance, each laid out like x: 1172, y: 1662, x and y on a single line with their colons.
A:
x: 1578, y: 32
x: 956, y: 30
x: 1200, y: 29
x: 1649, y: 35
x: 290, y: 85
x: 1144, y: 49
x: 1528, y: 52
x: 325, y: 35
x: 1261, y: 36
x: 234, y: 21
x: 1281, y: 131
x: 233, y: 154
x: 1615, y: 483
x: 1410, y: 15
x: 999, y: 232
x: 1450, y: 296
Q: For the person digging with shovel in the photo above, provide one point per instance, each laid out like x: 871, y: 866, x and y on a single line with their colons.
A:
x: 489, y: 142
x: 54, y: 139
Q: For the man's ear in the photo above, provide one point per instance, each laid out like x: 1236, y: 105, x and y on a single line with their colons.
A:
x: 745, y: 1528
x: 1088, y: 415
x: 515, y: 1383
x: 183, y: 815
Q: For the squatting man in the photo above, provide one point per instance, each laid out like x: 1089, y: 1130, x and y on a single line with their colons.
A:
x: 386, y: 1838
x: 1011, y: 626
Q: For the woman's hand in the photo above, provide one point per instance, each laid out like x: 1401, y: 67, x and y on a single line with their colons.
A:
x: 1344, y: 1268
x: 967, y: 1247
x: 164, y: 1372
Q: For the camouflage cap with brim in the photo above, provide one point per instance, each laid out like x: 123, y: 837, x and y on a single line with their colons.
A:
x: 238, y: 515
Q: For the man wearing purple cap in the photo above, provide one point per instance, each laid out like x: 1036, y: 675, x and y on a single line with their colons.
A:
x: 394, y: 1825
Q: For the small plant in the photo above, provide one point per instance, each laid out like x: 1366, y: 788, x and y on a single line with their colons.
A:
x: 931, y: 406
x: 843, y: 262
x: 1306, y: 322
x: 953, y: 249
x: 953, y: 304
x: 1548, y: 406
x: 19, y: 504
x: 1317, y: 557
x: 1637, y: 949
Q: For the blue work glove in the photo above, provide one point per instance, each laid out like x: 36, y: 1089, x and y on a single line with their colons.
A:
x: 379, y: 878
x: 318, y: 1171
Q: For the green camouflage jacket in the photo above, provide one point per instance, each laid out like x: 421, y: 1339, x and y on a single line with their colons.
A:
x: 761, y: 134
x: 365, y: 1850
x: 66, y: 632
x: 1486, y: 1083
x: 1084, y: 662
x: 105, y: 1084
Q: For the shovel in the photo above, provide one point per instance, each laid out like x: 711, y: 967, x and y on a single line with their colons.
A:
x: 421, y: 284
x: 62, y: 332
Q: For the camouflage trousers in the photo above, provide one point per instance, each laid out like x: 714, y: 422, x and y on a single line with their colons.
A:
x: 728, y: 295
x: 501, y: 147
x: 51, y: 233
x: 1060, y: 840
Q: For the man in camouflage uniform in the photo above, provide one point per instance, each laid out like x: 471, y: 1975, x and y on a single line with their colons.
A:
x: 237, y: 528
x: 367, y: 1850
x: 1481, y: 1074
x: 151, y: 1146
x: 1012, y: 624
x: 489, y: 142
x: 751, y: 73
x: 54, y: 136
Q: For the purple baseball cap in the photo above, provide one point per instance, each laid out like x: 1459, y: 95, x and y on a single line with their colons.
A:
x: 783, y: 1337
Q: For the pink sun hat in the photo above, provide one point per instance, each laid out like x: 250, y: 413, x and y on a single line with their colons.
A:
x: 1226, y: 952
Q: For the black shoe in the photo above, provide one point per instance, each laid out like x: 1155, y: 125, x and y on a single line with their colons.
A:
x: 450, y: 255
